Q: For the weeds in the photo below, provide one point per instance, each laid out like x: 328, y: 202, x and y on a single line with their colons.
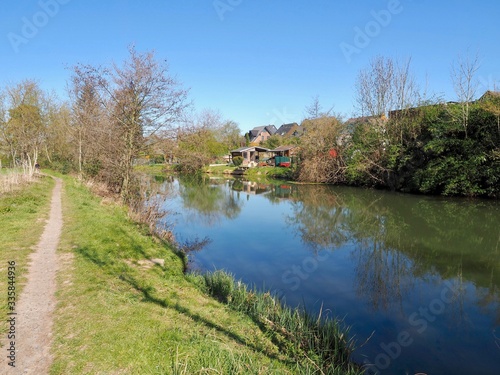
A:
x: 319, y: 343
x: 13, y: 179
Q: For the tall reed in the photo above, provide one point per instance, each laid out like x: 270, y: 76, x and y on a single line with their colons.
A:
x: 12, y: 179
x: 318, y: 342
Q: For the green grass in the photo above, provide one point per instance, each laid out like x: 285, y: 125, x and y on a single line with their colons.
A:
x: 152, y: 168
x: 314, y: 342
x: 22, y: 218
x: 257, y: 172
x: 119, y: 314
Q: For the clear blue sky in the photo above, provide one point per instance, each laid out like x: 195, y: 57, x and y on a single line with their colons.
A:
x: 257, y: 61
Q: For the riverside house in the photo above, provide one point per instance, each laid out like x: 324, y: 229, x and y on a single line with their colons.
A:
x: 250, y: 154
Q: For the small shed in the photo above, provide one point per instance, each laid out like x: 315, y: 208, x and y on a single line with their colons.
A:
x: 249, y: 153
x: 283, y: 155
x: 287, y: 151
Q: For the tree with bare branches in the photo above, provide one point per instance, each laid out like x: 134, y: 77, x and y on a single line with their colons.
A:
x: 139, y: 98
x: 375, y: 88
x: 465, y: 83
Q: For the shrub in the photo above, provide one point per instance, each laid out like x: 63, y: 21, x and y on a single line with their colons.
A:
x: 237, y: 161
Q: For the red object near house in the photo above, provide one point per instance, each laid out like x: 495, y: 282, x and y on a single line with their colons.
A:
x: 285, y: 164
x: 333, y: 153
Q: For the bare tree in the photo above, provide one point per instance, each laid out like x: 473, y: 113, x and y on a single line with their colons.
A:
x: 58, y: 136
x: 406, y: 94
x: 463, y: 75
x: 140, y: 98
x: 315, y: 109
x: 87, y: 128
x: 322, y: 151
x: 375, y: 87
x: 406, y: 90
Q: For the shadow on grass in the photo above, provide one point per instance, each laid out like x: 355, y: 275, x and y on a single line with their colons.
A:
x: 119, y: 269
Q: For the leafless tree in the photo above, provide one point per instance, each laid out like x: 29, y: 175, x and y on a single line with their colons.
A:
x: 58, y: 134
x: 88, y: 126
x: 406, y: 90
x: 315, y: 109
x: 375, y: 87
x: 465, y: 82
x: 140, y: 98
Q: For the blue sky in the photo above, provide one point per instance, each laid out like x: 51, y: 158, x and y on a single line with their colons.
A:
x: 257, y: 61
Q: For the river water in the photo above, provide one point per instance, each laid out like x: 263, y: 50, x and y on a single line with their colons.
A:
x: 416, y: 278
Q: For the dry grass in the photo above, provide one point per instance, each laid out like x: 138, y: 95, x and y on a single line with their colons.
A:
x: 12, y: 180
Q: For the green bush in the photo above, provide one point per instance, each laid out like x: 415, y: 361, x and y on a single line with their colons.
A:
x: 237, y: 161
x: 92, y: 168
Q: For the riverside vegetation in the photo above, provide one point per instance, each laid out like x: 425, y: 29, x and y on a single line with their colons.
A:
x: 126, y: 305
x: 123, y: 310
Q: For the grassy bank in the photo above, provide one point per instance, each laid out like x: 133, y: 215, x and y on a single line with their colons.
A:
x: 126, y: 307
x: 316, y: 342
x: 257, y: 172
x: 22, y: 218
x: 120, y: 312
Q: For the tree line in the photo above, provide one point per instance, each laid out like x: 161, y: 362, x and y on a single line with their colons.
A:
x: 406, y: 141
x: 114, y: 115
x: 117, y: 114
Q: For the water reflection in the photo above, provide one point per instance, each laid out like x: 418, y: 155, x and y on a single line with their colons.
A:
x: 207, y: 201
x: 397, y: 237
x: 383, y: 260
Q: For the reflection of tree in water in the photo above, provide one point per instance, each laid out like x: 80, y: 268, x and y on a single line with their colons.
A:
x: 400, y: 238
x: 327, y: 218
x: 384, y: 273
x: 384, y: 276
x: 208, y: 200
x: 318, y: 217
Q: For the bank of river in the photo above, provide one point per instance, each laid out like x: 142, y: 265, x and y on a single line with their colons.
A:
x: 416, y: 277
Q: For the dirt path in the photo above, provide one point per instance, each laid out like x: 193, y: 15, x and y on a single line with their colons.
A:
x: 37, y: 302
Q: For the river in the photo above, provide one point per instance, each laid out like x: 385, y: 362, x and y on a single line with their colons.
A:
x: 415, y: 277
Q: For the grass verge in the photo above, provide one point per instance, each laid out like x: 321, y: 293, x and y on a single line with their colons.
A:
x: 125, y: 306
x: 23, y: 213
x: 257, y: 172
x: 315, y: 343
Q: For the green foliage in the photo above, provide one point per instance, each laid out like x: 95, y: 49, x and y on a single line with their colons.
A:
x: 272, y: 142
x: 63, y: 166
x: 92, y: 167
x: 429, y: 152
x: 198, y: 148
x: 237, y: 161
